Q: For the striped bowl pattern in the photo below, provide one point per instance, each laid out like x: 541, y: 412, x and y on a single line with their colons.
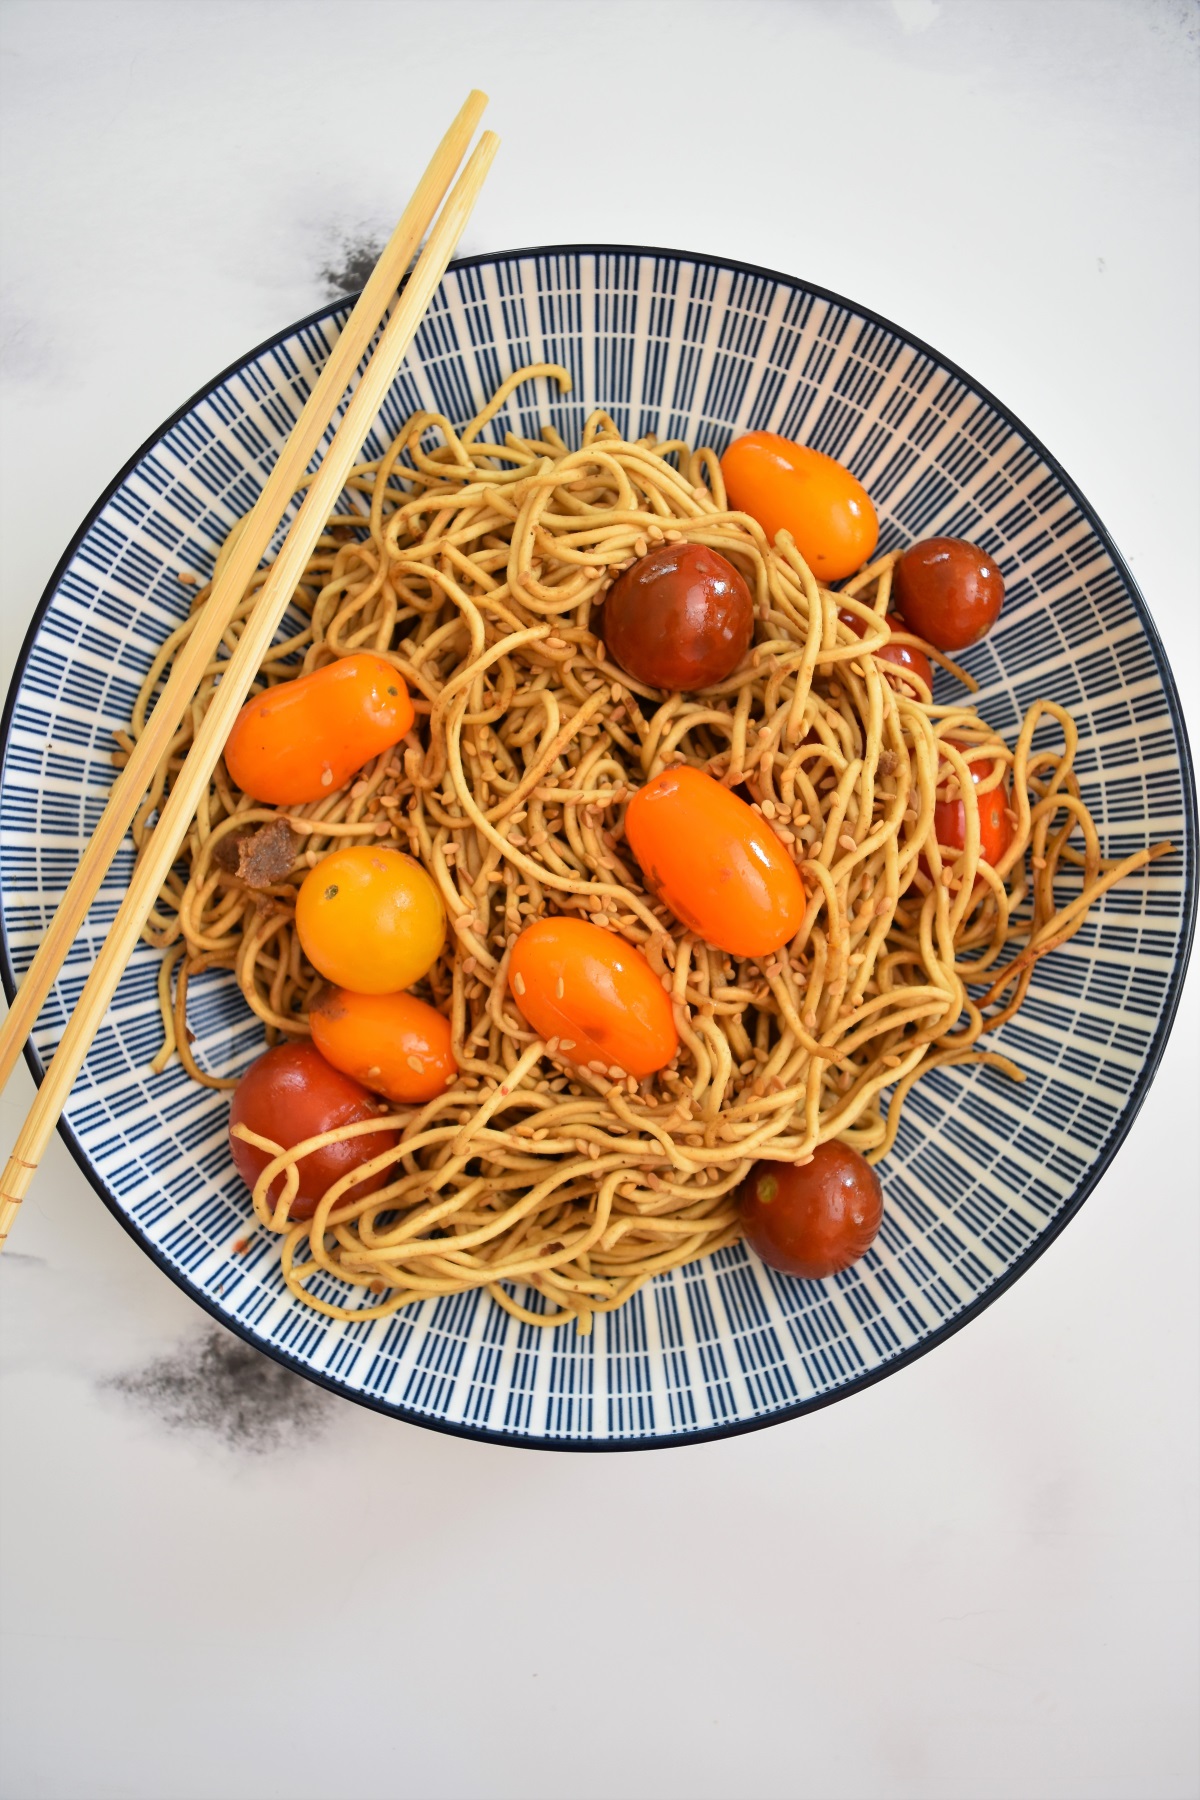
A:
x: 983, y: 1173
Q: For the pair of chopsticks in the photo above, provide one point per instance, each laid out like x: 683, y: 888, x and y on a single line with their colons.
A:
x: 237, y: 675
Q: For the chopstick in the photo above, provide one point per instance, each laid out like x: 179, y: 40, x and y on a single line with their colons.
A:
x: 236, y: 680
x: 234, y: 573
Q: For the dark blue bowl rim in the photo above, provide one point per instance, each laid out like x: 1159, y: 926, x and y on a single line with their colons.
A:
x: 1137, y: 1095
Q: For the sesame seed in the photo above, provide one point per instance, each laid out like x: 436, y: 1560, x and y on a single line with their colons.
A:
x: 519, y: 982
x: 185, y: 578
x: 617, y: 1072
x: 640, y: 546
x: 559, y: 988
x: 567, y: 1044
x: 1039, y: 862
x: 810, y: 1021
x: 415, y: 1064
x: 327, y: 778
x: 597, y: 1067
x: 846, y: 842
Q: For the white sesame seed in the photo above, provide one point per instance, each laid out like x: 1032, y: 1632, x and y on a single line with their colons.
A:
x: 415, y: 1064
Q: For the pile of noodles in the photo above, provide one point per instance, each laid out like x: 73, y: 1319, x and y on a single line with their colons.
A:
x: 477, y: 570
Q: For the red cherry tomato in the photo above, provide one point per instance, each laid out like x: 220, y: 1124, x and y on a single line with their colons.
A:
x: 394, y: 1044
x: 995, y: 826
x: 291, y: 1094
x: 903, y: 656
x: 595, y: 993
x: 680, y: 618
x: 715, y: 863
x: 813, y: 1219
x: 787, y: 487
x: 306, y: 738
x: 950, y: 592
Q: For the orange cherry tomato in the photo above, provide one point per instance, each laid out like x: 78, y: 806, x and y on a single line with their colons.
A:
x: 715, y: 863
x: 812, y: 1219
x: 595, y: 993
x: 902, y: 656
x: 291, y: 1094
x: 787, y: 487
x: 394, y: 1044
x: 370, y: 919
x: 307, y: 738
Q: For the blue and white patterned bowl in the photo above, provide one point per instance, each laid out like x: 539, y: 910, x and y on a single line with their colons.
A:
x: 983, y: 1175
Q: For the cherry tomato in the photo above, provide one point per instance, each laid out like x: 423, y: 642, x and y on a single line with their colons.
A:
x: 291, y: 1094
x: 995, y: 826
x: 815, y: 1218
x: 595, y: 993
x: 370, y: 919
x: 306, y: 738
x: 715, y: 863
x: 903, y: 656
x: 394, y: 1044
x: 787, y: 487
x: 950, y: 592
x: 680, y: 618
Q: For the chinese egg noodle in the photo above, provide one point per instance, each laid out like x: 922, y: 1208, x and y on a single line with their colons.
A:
x: 475, y: 567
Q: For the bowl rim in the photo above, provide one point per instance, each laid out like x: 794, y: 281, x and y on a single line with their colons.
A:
x: 1045, y: 1238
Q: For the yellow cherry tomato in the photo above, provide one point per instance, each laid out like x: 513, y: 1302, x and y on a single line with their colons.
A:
x: 787, y: 487
x: 394, y: 1044
x: 596, y: 994
x: 370, y: 919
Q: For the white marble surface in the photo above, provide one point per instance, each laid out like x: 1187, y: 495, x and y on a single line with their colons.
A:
x: 977, y: 1579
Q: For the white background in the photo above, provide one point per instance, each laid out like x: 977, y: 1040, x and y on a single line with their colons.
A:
x: 977, y: 1578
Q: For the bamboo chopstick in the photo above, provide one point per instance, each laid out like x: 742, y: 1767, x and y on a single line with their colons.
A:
x: 235, y: 683
x: 233, y: 577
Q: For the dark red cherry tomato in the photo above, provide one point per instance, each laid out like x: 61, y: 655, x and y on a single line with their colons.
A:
x: 291, y: 1094
x: 681, y: 617
x: 949, y: 591
x: 814, y: 1218
x: 995, y: 826
x: 903, y: 656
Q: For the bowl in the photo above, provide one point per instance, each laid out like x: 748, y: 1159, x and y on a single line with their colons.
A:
x: 984, y: 1174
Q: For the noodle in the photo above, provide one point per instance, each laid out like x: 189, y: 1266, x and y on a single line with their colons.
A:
x: 473, y: 568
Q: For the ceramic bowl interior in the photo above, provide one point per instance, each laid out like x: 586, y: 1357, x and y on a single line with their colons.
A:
x: 984, y: 1173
